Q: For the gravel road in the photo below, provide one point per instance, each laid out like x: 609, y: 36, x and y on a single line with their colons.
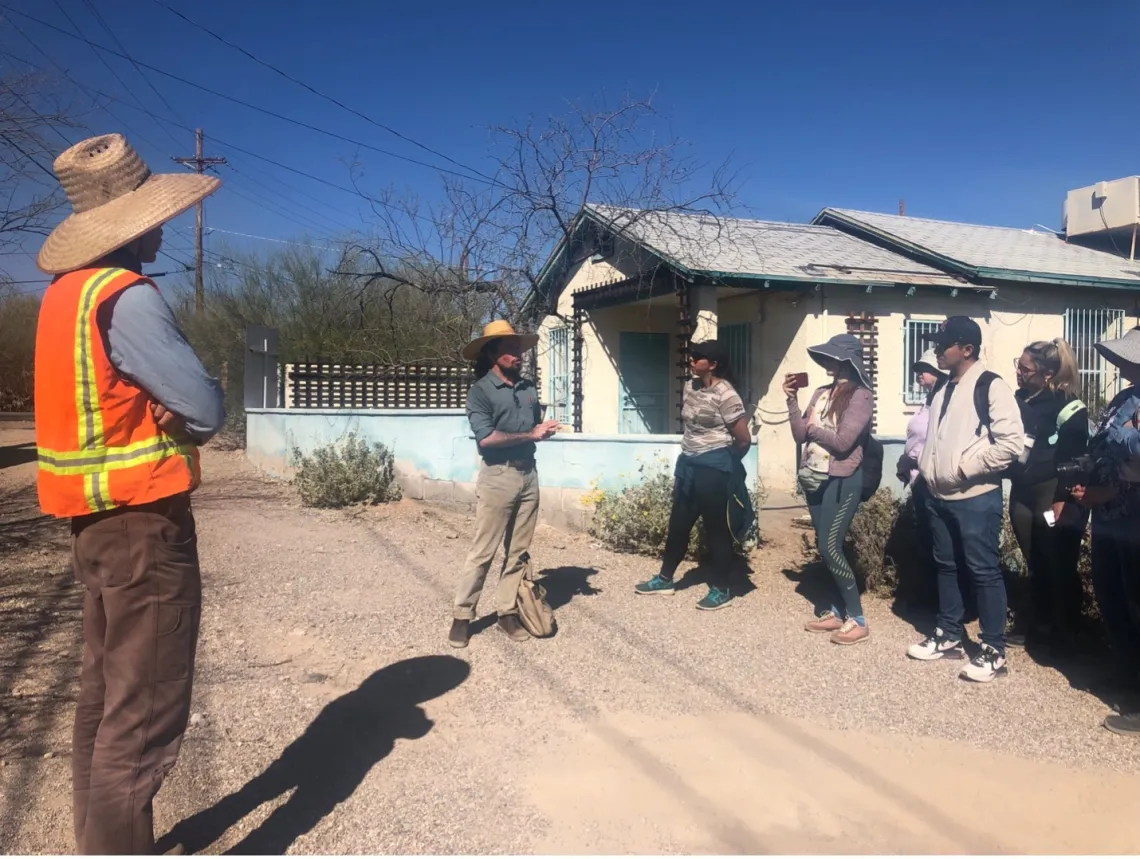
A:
x: 331, y: 717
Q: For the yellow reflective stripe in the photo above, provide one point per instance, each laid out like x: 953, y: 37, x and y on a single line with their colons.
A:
x: 89, y: 416
x: 95, y: 492
x: 110, y: 459
x: 101, y: 454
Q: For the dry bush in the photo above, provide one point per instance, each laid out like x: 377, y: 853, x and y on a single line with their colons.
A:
x: 344, y: 473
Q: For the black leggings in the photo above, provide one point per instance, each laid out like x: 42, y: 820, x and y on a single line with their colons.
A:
x: 1051, y: 555
x: 707, y: 500
x: 832, y: 507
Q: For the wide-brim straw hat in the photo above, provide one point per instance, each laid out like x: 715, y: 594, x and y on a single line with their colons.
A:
x: 493, y: 331
x: 114, y: 199
x: 1123, y: 350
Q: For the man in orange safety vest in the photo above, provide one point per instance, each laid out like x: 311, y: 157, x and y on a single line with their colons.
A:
x: 121, y: 405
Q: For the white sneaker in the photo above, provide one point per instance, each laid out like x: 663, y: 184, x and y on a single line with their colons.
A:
x: 937, y: 646
x: 984, y: 667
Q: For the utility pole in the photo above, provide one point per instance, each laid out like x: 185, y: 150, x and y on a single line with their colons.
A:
x: 902, y: 206
x: 198, y: 164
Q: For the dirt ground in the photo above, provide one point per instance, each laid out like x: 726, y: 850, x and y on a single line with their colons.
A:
x: 330, y: 716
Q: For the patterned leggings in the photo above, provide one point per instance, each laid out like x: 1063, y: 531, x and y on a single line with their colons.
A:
x: 832, y: 507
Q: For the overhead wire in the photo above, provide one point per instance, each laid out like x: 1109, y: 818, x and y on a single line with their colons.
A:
x: 318, y: 93
x: 78, y: 34
x: 250, y: 106
x: 90, y: 92
x: 107, y: 28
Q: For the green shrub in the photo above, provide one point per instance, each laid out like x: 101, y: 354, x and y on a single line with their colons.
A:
x: 344, y: 473
x: 635, y: 518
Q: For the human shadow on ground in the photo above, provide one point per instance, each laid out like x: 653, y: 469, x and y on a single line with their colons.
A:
x: 17, y: 454
x: 325, y: 765
x: 740, y: 579
x: 561, y: 584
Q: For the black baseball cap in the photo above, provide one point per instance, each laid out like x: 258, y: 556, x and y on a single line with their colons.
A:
x: 956, y: 330
x: 713, y: 350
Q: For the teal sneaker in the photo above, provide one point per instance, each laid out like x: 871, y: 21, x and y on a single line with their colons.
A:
x: 714, y: 599
x: 655, y: 585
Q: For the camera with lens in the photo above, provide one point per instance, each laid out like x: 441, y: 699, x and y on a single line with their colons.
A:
x: 1076, y: 470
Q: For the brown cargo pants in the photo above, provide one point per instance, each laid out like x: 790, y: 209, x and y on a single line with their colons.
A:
x: 140, y: 628
x: 506, y: 512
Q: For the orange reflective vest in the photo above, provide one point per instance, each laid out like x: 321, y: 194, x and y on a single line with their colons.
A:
x: 99, y: 446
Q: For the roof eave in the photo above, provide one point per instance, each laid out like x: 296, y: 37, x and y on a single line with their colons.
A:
x: 947, y: 283
x: 1056, y: 279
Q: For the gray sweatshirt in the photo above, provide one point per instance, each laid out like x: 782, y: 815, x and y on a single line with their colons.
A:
x: 145, y: 344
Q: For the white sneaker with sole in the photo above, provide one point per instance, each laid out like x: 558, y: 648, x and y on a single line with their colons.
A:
x: 984, y: 667
x: 937, y: 646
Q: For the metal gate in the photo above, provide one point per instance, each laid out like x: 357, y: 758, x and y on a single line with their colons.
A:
x: 1084, y: 328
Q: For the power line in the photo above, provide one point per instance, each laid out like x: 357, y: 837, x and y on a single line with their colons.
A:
x: 317, y: 216
x: 228, y: 144
x: 251, y: 106
x: 307, y: 224
x: 98, y: 17
x: 267, y: 239
x: 90, y: 92
x: 79, y: 35
x: 320, y: 94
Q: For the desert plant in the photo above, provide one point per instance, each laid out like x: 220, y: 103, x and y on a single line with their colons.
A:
x: 635, y: 518
x: 347, y: 472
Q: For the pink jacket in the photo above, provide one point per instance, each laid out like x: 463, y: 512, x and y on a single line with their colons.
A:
x: 916, y: 438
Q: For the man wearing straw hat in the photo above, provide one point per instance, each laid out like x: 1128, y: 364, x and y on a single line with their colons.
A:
x: 122, y: 403
x: 506, y: 419
x: 1112, y: 492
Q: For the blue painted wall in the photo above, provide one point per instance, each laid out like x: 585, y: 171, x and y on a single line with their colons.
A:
x: 438, y: 445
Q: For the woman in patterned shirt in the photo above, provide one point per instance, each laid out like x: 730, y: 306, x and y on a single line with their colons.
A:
x: 710, y: 483
x: 833, y: 431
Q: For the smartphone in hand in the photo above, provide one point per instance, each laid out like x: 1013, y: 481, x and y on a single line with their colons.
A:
x: 799, y: 380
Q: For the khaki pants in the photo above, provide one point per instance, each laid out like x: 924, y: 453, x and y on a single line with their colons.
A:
x: 506, y: 512
x: 141, y: 614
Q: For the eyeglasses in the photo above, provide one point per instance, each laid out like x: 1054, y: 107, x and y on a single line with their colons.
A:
x: 1021, y: 370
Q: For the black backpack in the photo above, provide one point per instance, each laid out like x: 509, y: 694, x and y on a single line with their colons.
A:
x: 981, y: 400
x: 872, y: 467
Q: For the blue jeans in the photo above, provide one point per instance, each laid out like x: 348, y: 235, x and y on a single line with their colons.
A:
x: 964, y: 536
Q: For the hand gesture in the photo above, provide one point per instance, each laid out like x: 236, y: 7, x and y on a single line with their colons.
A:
x: 544, y: 430
x: 167, y: 421
x: 791, y: 390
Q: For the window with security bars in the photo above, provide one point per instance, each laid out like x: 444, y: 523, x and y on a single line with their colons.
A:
x: 558, y: 376
x: 737, y: 340
x: 1084, y: 328
x: 915, y: 332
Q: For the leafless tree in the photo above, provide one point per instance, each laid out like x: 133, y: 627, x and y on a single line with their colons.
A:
x: 31, y: 119
x: 492, y: 234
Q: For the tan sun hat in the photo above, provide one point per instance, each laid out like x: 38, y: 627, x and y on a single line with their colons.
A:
x: 493, y: 331
x: 115, y: 199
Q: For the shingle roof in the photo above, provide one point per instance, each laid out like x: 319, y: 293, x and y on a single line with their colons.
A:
x: 759, y: 249
x: 994, y: 250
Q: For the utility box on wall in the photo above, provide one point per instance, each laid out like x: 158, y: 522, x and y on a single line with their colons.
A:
x: 1103, y: 207
x: 262, y: 385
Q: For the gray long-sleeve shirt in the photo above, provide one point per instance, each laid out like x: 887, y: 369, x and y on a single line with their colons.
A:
x: 145, y: 344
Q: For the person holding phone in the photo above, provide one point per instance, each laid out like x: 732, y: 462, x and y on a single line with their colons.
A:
x: 710, y: 482
x: 833, y: 431
x: 1112, y: 492
x: 1047, y: 523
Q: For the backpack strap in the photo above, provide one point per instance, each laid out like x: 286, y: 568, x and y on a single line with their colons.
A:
x: 982, y: 402
x: 1063, y: 416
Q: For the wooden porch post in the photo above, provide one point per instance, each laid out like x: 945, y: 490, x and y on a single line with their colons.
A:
x: 576, y: 381
x: 685, y: 333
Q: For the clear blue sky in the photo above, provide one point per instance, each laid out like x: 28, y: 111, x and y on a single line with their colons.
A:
x: 978, y: 110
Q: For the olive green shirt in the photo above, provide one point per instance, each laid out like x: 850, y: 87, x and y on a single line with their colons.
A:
x: 493, y: 404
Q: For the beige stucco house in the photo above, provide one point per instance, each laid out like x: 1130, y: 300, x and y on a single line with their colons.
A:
x: 624, y: 298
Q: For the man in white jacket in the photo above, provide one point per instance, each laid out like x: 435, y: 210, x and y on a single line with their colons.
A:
x: 966, y: 453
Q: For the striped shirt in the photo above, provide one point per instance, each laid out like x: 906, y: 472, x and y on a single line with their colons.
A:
x: 706, y: 415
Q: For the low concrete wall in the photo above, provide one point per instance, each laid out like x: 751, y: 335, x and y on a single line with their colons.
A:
x: 436, y: 458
